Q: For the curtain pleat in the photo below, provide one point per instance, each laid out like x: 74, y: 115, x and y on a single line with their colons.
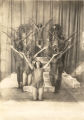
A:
x: 68, y: 33
x: 71, y: 53
x: 69, y: 14
x: 43, y: 11
x: 59, y: 14
x: 36, y: 11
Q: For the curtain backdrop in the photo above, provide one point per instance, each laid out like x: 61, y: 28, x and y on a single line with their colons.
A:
x: 69, y: 14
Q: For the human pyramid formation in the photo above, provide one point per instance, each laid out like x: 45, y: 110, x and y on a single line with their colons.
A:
x: 31, y: 41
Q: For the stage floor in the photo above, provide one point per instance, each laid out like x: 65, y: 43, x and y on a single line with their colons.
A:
x: 17, y: 105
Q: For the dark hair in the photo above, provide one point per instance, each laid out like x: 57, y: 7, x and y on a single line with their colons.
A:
x: 39, y: 25
x: 40, y: 64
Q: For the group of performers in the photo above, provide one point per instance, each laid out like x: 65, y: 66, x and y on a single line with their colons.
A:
x: 31, y: 41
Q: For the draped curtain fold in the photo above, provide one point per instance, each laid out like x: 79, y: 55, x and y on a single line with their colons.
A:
x: 69, y: 14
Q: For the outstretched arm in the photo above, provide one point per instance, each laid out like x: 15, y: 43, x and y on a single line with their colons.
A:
x: 22, y: 55
x: 34, y: 24
x: 9, y: 36
x: 29, y: 63
x: 31, y: 32
x: 59, y: 55
x: 50, y: 60
x: 72, y: 35
x: 47, y: 23
x: 30, y: 39
x: 40, y: 51
x: 16, y: 51
x: 28, y: 35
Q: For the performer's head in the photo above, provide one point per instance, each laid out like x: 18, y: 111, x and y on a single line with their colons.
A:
x: 38, y: 64
x: 39, y: 25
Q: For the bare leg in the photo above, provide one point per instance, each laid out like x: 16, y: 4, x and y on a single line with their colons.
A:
x: 21, y: 77
x: 18, y: 76
x: 40, y: 92
x: 25, y: 78
x: 59, y: 80
x: 34, y: 93
x: 29, y: 79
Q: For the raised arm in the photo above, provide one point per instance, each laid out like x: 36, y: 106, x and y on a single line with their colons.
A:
x: 47, y: 23
x: 9, y: 36
x: 59, y: 55
x: 29, y: 63
x: 16, y: 51
x: 31, y: 32
x: 34, y: 24
x: 22, y: 55
x: 40, y: 51
x: 72, y: 35
x: 50, y: 60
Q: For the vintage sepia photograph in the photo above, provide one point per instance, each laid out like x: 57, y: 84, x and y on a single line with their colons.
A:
x: 41, y: 60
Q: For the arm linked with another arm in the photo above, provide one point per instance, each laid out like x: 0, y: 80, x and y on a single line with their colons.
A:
x: 22, y: 55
